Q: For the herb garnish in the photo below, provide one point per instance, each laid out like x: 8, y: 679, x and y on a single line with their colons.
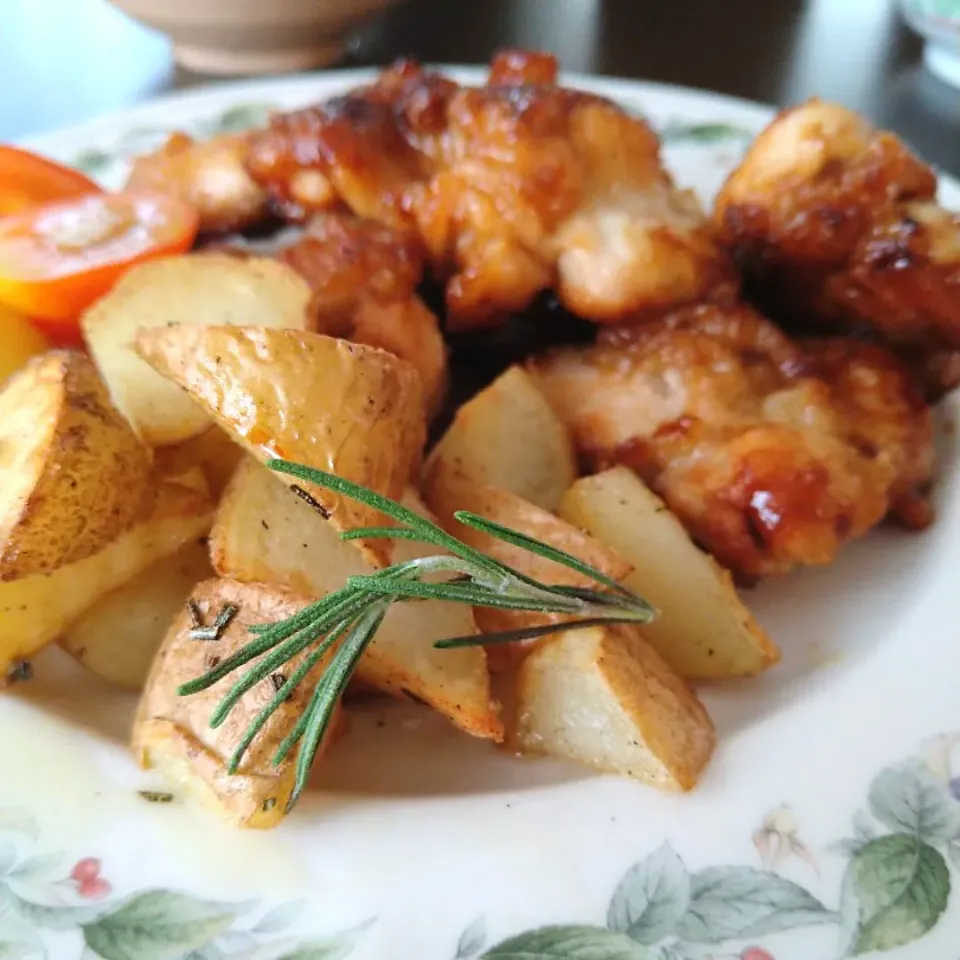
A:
x: 196, y: 621
x: 19, y: 671
x: 344, y: 622
x: 215, y: 631
x: 156, y: 796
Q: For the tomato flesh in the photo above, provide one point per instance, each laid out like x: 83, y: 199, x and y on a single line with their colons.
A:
x: 28, y: 180
x: 57, y: 259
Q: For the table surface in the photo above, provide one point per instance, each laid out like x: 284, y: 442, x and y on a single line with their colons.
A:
x: 63, y: 61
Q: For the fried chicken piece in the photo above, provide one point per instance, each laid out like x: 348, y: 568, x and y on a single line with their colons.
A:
x: 771, y: 454
x: 364, y: 278
x: 513, y: 187
x: 210, y: 175
x: 520, y: 68
x: 345, y: 258
x: 834, y: 221
x: 364, y: 148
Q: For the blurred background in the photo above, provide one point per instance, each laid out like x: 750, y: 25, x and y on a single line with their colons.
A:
x: 64, y: 61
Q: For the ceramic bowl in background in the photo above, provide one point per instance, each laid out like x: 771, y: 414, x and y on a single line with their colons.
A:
x: 938, y: 22
x: 253, y: 36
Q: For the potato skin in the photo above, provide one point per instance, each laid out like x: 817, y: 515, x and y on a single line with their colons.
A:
x: 265, y: 533
x: 205, y: 289
x: 602, y: 696
x: 351, y: 410
x: 508, y: 436
x: 118, y: 637
x: 703, y: 630
x: 35, y: 611
x: 173, y: 733
x: 448, y: 490
x: 213, y: 452
x: 73, y: 475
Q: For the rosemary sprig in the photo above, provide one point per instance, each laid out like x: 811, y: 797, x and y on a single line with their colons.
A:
x: 341, y: 625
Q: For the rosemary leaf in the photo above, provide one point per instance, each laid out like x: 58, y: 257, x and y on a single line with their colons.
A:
x: 225, y: 618
x: 468, y: 593
x: 382, y: 533
x: 526, y: 633
x: 430, y: 532
x: 349, y: 607
x: 282, y: 693
x: 330, y: 689
x: 194, y: 612
x: 537, y: 547
x: 243, y: 655
x: 343, y: 623
x: 604, y: 598
x: 265, y: 640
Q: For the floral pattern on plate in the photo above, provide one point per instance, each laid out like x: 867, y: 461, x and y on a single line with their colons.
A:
x: 100, y: 162
x: 38, y: 900
x: 895, y: 888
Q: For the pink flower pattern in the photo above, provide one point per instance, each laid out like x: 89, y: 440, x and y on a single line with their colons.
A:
x: 86, y: 876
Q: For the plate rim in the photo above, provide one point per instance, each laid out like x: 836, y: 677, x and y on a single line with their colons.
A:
x: 221, y: 93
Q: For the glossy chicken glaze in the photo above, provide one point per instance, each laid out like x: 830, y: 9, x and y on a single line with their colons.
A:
x: 770, y: 454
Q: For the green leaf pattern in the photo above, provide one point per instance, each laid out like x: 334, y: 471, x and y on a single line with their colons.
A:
x: 569, y: 943
x: 728, y: 903
x: 910, y: 799
x: 651, y: 898
x: 901, y: 886
x: 157, y: 925
x: 895, y: 890
x: 108, y: 162
x: 103, y: 161
x: 10, y: 950
x: 472, y: 940
x: 148, y: 925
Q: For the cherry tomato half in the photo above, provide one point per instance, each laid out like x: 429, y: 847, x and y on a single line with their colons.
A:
x: 57, y: 259
x: 28, y: 180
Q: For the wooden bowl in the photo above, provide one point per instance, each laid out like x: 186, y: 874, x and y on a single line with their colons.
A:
x: 253, y: 36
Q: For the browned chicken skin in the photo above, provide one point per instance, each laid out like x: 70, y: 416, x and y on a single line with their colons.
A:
x: 832, y: 220
x: 364, y: 277
x: 770, y: 454
x: 513, y: 188
x: 209, y: 174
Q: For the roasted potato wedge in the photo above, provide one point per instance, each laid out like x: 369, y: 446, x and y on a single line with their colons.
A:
x: 264, y: 532
x: 704, y: 630
x: 36, y: 610
x: 118, y: 637
x: 448, y: 490
x: 191, y: 290
x: 509, y: 437
x: 173, y: 733
x: 604, y: 697
x: 405, y: 328
x: 73, y: 476
x: 337, y: 406
x: 213, y: 452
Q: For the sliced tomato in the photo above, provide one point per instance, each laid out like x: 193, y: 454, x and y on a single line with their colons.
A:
x: 59, y: 333
x: 57, y: 259
x: 28, y: 180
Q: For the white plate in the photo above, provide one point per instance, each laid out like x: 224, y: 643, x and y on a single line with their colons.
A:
x: 828, y: 822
